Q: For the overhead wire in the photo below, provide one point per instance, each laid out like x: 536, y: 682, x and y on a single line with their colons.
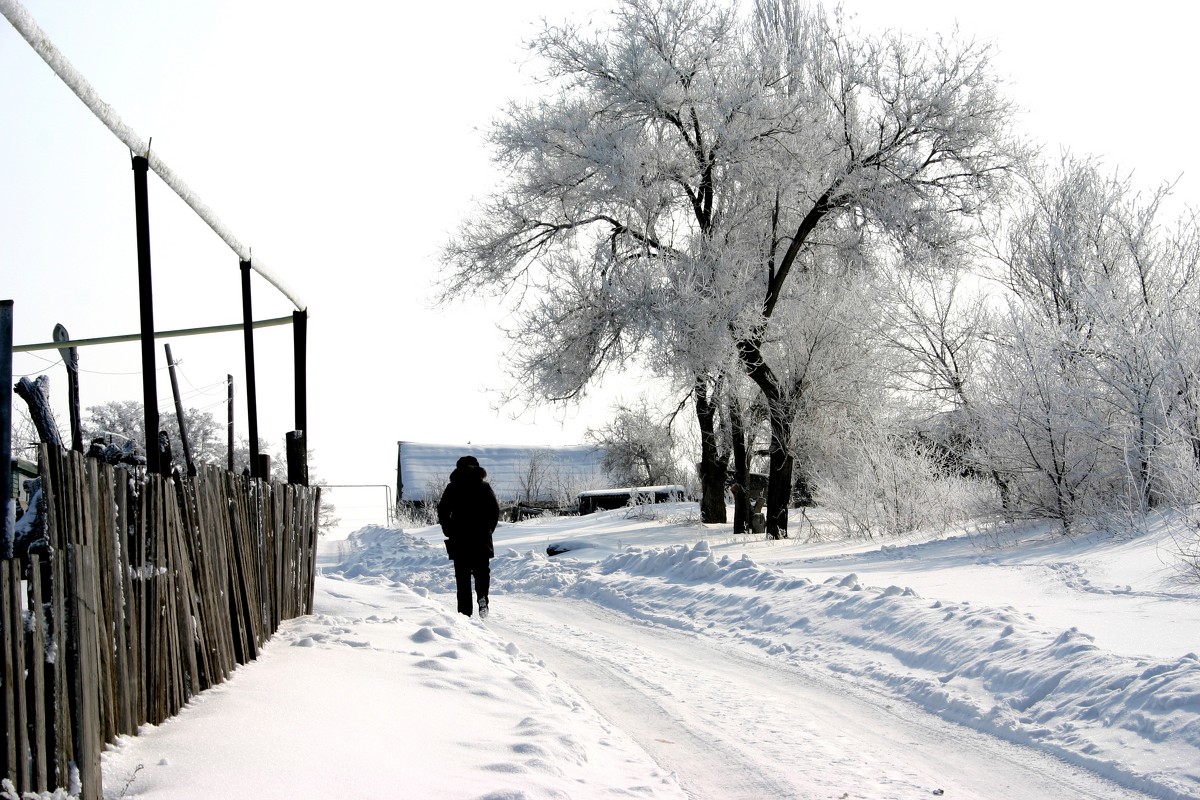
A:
x: 52, y: 362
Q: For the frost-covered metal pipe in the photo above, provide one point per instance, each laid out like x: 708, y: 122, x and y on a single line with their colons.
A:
x: 25, y: 24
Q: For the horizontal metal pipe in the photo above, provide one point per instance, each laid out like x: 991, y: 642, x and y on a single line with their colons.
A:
x: 133, y: 337
x: 28, y: 28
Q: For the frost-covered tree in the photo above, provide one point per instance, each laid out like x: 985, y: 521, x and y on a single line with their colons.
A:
x: 1093, y: 389
x: 938, y: 320
x: 123, y: 420
x: 1040, y: 425
x: 639, y: 449
x: 888, y: 481
x: 242, y: 455
x: 684, y: 167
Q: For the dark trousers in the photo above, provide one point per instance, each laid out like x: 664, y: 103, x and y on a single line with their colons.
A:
x: 464, y: 569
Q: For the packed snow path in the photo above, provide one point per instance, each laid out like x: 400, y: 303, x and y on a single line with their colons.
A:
x: 736, y: 725
x: 385, y: 692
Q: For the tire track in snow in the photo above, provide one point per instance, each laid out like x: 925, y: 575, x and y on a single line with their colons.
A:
x: 616, y: 679
x: 732, y: 725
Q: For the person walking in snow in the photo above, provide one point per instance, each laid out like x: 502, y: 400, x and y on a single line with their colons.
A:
x: 468, y: 513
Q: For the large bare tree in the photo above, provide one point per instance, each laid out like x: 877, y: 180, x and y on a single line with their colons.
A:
x: 682, y: 165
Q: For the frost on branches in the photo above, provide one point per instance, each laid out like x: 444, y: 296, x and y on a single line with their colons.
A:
x: 690, y: 179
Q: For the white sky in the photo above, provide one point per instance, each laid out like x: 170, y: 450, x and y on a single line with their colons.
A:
x: 344, y: 146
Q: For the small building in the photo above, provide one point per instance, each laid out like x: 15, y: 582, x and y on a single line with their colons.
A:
x: 608, y: 499
x: 22, y: 471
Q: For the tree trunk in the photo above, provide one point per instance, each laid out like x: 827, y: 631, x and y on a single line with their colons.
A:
x: 779, y: 482
x: 741, y: 469
x: 1005, y: 495
x: 712, y: 464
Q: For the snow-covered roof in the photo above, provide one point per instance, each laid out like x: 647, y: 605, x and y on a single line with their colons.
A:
x: 559, y: 473
x: 672, y: 488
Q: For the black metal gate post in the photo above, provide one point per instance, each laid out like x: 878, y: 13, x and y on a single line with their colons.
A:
x: 251, y: 391
x: 297, y: 460
x: 300, y: 354
x: 146, y: 294
x: 297, y: 451
x: 7, y: 507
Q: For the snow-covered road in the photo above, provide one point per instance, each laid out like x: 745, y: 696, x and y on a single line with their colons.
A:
x: 653, y: 664
x: 738, y: 724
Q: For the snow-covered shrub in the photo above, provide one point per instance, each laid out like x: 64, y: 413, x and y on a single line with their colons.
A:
x: 887, y: 485
x: 1180, y: 484
x: 415, y: 515
x: 683, y: 514
x: 1188, y: 544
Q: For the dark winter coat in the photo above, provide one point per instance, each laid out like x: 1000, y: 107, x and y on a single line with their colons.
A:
x: 468, y: 513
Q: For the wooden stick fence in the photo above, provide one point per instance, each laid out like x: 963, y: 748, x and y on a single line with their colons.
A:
x: 143, y: 592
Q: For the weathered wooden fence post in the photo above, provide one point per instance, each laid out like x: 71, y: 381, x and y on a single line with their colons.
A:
x: 179, y: 415
x: 70, y: 357
x: 139, y: 593
x: 8, y: 509
x: 39, y: 672
x: 34, y: 394
x: 229, y: 427
x: 12, y: 661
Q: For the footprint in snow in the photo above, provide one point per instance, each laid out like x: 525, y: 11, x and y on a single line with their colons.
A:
x: 532, y: 727
x: 530, y: 749
x: 427, y: 634
x: 524, y: 684
x: 511, y: 768
x: 543, y: 766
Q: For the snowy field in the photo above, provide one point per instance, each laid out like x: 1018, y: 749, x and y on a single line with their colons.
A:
x: 660, y: 658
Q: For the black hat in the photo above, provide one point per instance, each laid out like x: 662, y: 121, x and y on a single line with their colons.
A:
x: 467, y: 461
